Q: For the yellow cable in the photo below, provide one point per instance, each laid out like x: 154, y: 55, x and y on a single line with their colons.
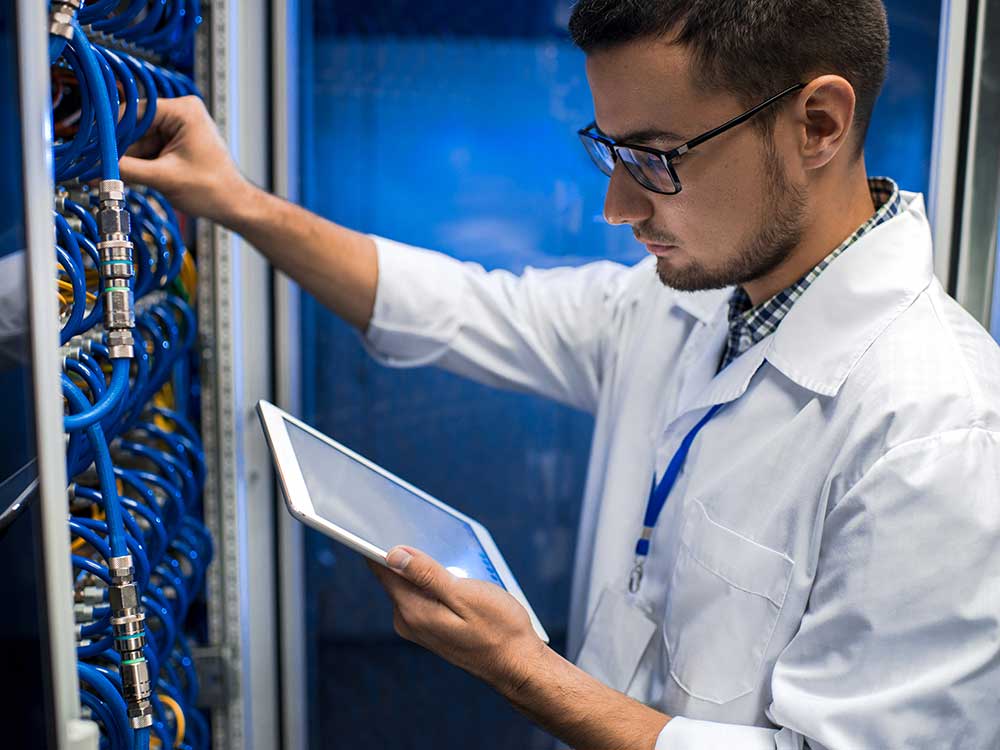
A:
x: 96, y: 513
x: 165, y: 400
x: 189, y: 275
x: 66, y: 286
x: 162, y: 423
x: 178, y: 717
x: 165, y: 397
x: 62, y: 300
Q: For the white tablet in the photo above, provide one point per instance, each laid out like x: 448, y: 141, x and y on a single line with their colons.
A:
x: 347, y: 497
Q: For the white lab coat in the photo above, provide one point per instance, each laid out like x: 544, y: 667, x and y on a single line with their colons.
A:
x: 826, y: 572
x: 13, y: 310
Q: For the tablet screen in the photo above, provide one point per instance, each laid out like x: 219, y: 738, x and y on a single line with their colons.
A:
x: 369, y: 505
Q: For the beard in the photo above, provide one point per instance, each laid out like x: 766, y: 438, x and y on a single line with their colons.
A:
x: 778, y: 233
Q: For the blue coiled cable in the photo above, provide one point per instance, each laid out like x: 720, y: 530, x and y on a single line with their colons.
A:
x: 92, y: 414
x: 79, y: 307
x: 105, y: 471
x: 120, y: 20
x: 94, y: 382
x: 154, y: 521
x: 111, y: 697
x: 103, y: 112
x: 95, y: 10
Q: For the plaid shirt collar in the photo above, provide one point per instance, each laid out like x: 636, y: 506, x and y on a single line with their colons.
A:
x: 749, y: 325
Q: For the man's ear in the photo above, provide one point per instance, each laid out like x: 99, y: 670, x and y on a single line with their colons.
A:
x: 825, y: 117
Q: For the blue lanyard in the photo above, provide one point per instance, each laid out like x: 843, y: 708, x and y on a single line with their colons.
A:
x: 658, y: 495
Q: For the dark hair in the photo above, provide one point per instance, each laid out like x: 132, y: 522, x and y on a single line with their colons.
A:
x: 754, y: 48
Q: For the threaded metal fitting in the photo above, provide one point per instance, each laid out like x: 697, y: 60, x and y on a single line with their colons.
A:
x: 83, y: 612
x: 121, y: 570
x: 141, y: 714
x: 112, y: 190
x: 118, y: 307
x: 121, y: 344
x: 89, y: 595
x: 113, y: 220
x: 136, y: 690
x: 61, y: 23
x: 123, y: 598
x: 62, y: 16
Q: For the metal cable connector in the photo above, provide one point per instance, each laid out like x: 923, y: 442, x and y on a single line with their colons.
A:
x: 137, y: 690
x: 114, y: 224
x: 128, y: 626
x: 62, y: 17
x: 83, y: 612
x: 89, y: 595
x: 121, y: 570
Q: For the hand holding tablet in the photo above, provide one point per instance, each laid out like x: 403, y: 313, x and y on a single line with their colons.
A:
x: 338, y: 492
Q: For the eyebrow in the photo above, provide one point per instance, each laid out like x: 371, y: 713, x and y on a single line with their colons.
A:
x: 643, y: 136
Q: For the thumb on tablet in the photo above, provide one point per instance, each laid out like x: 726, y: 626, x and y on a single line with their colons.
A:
x: 420, y: 569
x: 398, y: 558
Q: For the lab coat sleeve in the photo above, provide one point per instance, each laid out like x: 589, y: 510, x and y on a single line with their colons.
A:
x: 13, y: 312
x: 900, y: 643
x: 547, y: 332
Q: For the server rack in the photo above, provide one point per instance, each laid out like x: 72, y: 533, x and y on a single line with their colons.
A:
x: 238, y: 663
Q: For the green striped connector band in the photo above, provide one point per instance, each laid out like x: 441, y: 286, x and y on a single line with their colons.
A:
x: 130, y: 637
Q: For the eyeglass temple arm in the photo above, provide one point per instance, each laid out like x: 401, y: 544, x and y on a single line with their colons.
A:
x: 681, y: 150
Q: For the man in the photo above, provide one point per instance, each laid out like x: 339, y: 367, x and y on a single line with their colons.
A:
x: 818, y: 563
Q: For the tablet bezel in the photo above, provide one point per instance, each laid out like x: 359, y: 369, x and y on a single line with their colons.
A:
x: 299, y: 502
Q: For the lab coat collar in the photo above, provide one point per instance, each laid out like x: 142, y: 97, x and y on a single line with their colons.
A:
x: 852, y: 302
x: 705, y: 386
x: 831, y: 326
x: 704, y: 305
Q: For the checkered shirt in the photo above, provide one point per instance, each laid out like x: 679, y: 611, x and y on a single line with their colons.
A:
x: 749, y: 325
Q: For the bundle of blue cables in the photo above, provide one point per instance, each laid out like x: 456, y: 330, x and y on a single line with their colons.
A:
x: 163, y: 28
x: 129, y: 86
x: 134, y: 452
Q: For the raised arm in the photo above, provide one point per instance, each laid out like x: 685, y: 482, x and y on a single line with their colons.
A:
x: 184, y: 157
x: 552, y: 333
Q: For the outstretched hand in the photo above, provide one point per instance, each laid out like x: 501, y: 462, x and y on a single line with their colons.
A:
x: 472, y: 624
x: 184, y: 156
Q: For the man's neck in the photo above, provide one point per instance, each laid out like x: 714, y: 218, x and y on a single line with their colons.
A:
x: 836, y: 220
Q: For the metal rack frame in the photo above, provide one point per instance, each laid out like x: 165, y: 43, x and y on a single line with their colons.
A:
x: 288, y: 382
x: 965, y: 191
x: 70, y: 732
x: 234, y: 300
x: 977, y: 240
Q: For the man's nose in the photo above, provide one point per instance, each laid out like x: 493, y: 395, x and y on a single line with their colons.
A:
x: 627, y: 202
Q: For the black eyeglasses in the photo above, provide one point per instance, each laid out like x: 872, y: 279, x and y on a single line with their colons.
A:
x: 650, y: 167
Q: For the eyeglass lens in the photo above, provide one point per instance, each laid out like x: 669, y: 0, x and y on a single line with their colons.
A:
x: 648, y: 169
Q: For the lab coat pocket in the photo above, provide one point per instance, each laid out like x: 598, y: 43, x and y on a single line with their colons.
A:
x: 725, y: 595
